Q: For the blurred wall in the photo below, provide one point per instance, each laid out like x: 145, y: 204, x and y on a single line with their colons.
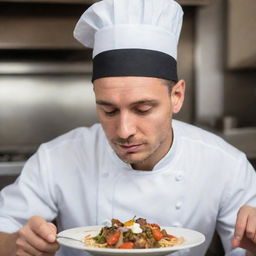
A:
x: 220, y: 91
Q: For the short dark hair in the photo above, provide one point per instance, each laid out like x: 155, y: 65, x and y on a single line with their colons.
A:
x: 169, y: 84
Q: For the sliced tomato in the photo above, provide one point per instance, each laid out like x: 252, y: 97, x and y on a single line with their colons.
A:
x: 128, y: 245
x: 157, y: 234
x: 153, y: 225
x: 113, y: 239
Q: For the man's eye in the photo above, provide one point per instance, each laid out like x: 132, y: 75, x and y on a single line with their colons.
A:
x: 110, y: 113
x: 143, y: 111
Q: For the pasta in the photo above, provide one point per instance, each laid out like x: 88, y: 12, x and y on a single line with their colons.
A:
x: 133, y: 234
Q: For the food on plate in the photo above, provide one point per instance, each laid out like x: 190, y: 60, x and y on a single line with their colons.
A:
x: 132, y: 234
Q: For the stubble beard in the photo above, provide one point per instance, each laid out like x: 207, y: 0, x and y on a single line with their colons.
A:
x: 156, y: 150
x: 127, y: 158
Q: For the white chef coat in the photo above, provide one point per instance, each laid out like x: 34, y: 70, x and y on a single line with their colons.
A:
x: 78, y: 179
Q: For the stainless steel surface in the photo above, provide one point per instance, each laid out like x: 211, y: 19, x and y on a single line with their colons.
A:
x: 11, y: 168
x: 242, y: 138
x: 35, y: 109
x: 46, y: 67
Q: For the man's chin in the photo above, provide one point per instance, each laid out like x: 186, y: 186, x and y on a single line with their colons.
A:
x: 132, y: 158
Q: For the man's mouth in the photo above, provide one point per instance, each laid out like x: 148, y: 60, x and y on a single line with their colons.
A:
x: 130, y: 147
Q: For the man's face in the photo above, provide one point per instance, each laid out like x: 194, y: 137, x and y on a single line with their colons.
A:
x: 135, y: 113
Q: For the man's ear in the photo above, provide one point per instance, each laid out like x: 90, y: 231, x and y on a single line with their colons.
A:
x: 177, y: 96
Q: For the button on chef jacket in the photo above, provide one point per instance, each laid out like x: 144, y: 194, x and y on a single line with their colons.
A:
x: 78, y: 179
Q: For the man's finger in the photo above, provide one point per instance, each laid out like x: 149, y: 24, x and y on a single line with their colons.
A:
x: 254, y: 239
x: 35, y: 241
x: 52, y: 227
x: 25, y: 248
x: 251, y: 227
x: 48, y: 231
x: 20, y: 252
x: 248, y: 245
x: 241, y: 223
x: 43, y: 228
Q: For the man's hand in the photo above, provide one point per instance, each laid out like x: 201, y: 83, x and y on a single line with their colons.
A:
x: 37, y: 237
x: 245, y: 229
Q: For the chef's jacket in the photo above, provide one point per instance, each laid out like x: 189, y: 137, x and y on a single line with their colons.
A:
x: 78, y: 180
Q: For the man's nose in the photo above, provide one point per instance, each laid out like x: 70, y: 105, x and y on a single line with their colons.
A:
x: 126, y: 126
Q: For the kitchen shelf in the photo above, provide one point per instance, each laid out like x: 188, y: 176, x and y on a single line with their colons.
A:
x: 182, y: 2
x: 50, y: 67
x: 38, y: 26
x: 195, y: 2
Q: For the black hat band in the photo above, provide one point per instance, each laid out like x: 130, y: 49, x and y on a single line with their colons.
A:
x: 134, y: 62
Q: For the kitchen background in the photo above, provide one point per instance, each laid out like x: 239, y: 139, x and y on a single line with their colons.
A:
x: 45, y: 87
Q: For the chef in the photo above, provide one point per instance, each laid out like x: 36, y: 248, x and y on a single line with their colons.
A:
x: 138, y: 160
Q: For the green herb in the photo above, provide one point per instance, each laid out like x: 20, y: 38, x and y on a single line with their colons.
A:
x: 100, y: 239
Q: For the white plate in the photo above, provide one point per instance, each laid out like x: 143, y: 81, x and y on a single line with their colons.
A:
x: 192, y: 238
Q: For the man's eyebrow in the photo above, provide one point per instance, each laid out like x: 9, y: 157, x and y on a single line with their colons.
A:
x: 105, y: 103
x: 139, y: 102
x: 148, y: 102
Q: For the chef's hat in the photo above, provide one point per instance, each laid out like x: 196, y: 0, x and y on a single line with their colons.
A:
x: 132, y: 37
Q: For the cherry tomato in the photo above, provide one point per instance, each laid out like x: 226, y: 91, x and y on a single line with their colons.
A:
x: 128, y: 245
x: 113, y: 239
x: 157, y: 234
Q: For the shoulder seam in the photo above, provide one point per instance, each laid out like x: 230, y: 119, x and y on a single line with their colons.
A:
x: 211, y: 146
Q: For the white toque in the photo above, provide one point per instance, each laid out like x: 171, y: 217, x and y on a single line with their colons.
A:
x: 109, y: 25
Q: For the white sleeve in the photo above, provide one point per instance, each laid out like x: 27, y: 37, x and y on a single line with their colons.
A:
x: 30, y: 195
x: 240, y: 190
